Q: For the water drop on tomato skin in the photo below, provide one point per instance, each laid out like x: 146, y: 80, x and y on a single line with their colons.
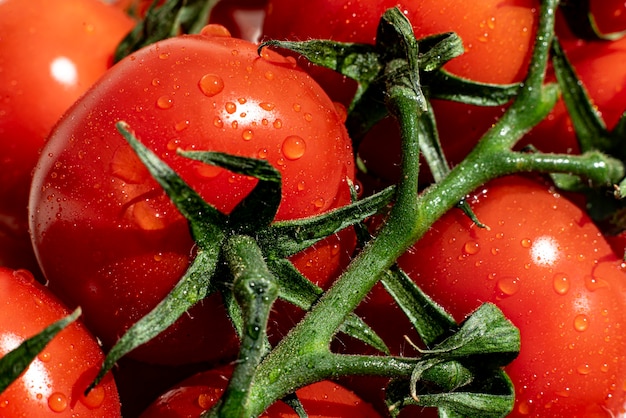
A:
x: 215, y: 30
x: 211, y: 85
x: 95, y: 398
x: 561, y: 284
x: 293, y: 147
x: 247, y: 135
x: 508, y: 286
x: 267, y: 106
x: 57, y: 402
x: 581, y: 322
x: 164, y: 102
x: 230, y: 107
x: 471, y: 248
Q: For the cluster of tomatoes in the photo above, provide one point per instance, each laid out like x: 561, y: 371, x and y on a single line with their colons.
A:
x: 80, y: 213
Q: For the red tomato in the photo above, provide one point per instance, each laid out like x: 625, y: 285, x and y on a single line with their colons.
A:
x: 546, y: 265
x: 609, y: 15
x: 107, y: 236
x: 54, y: 383
x: 198, y: 393
x: 498, y: 37
x: 599, y: 67
x: 51, y: 53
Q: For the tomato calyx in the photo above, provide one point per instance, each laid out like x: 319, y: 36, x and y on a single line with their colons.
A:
x: 213, y: 231
x: 172, y: 18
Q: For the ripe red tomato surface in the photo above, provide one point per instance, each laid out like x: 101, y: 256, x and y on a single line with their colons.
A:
x: 609, y: 15
x: 547, y: 266
x: 599, y: 65
x: 200, y: 392
x: 53, y: 384
x: 51, y: 53
x: 497, y: 35
x: 108, y: 237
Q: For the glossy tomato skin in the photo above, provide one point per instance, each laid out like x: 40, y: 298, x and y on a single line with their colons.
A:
x: 609, y: 15
x: 106, y: 234
x: 200, y: 392
x: 599, y: 65
x: 497, y: 35
x: 546, y: 265
x: 498, y: 38
x: 51, y: 53
x: 54, y: 383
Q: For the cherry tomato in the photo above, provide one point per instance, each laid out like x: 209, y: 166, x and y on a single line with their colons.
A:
x: 598, y: 65
x: 609, y: 15
x: 108, y: 237
x: 53, y: 385
x: 198, y: 393
x: 51, y: 53
x: 547, y: 266
x: 497, y: 35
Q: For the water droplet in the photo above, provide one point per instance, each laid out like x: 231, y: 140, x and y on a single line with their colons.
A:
x: 247, y: 134
x: 526, y: 243
x: 211, y: 84
x: 181, y: 126
x: 308, y: 117
x: 297, y: 107
x: 293, y: 147
x: 234, y: 124
x: 509, y: 285
x: 561, y: 283
x: 164, y: 55
x: 595, y: 283
x: 215, y: 30
x: 218, y: 123
x: 156, y: 82
x: 267, y: 106
x: 301, y: 185
x: 57, y: 402
x: 523, y: 408
x: 471, y: 248
x: 581, y: 322
x: 269, y: 75
x: 584, y: 369
x: 44, y: 356
x: 262, y: 153
x: 318, y: 203
x: 278, y: 123
x: 242, y: 100
x: 164, y: 102
x: 94, y: 399
x: 230, y: 107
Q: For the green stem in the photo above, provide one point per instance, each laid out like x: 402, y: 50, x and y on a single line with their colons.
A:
x: 287, y: 367
x: 255, y: 290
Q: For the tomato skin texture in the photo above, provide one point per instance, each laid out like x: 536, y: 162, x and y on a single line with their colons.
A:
x: 51, y: 53
x: 498, y: 35
x: 93, y: 195
x: 599, y: 65
x: 198, y: 393
x: 546, y: 265
x: 609, y: 15
x: 53, y: 384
